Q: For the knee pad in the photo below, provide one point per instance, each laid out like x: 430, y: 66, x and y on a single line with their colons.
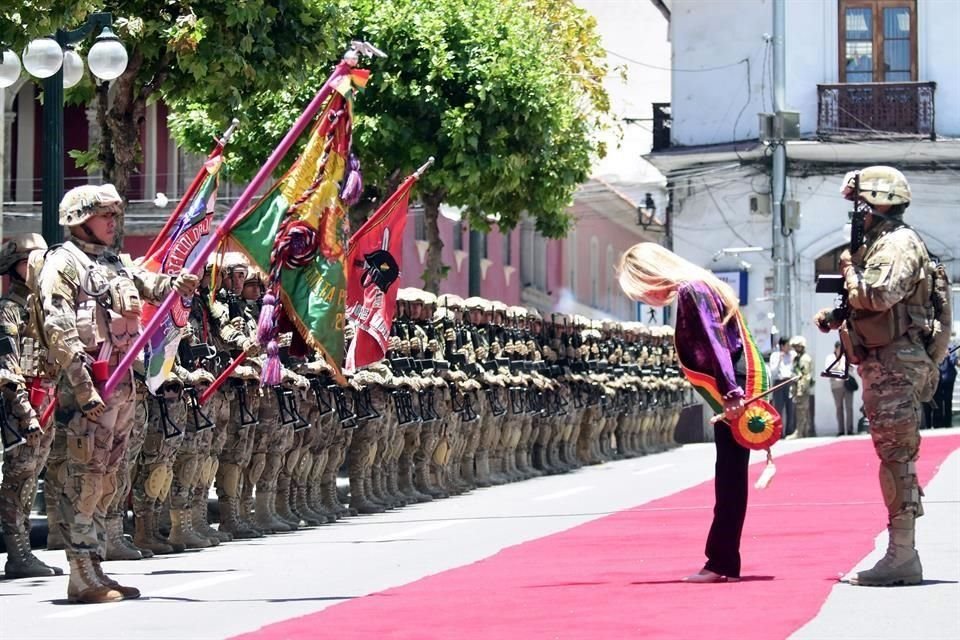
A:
x: 208, y: 471
x: 229, y: 481
x: 88, y: 490
x: 188, y: 471
x: 900, y: 488
x: 167, y: 483
x: 156, y: 480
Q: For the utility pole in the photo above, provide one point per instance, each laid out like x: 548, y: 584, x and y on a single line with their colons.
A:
x: 782, y: 307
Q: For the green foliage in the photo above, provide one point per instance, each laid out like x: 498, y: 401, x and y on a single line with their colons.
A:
x: 507, y: 95
x: 89, y: 159
x: 23, y: 20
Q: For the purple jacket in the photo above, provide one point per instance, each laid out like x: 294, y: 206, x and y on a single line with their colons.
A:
x: 704, y: 343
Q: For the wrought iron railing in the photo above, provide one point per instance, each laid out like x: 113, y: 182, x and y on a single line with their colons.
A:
x: 876, y: 108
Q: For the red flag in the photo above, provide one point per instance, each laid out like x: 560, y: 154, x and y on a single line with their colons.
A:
x: 373, y: 274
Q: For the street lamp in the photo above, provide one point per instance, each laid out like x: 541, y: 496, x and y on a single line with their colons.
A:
x: 53, y: 60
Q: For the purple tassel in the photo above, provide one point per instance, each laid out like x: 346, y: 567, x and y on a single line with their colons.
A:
x: 352, y: 183
x: 271, y: 375
x: 265, y: 322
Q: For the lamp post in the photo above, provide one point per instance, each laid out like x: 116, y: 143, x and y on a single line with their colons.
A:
x: 647, y: 218
x: 54, y: 61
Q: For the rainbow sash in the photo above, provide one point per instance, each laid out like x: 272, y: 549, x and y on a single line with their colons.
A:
x: 757, y: 379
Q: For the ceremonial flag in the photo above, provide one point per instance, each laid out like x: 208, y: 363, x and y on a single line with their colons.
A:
x: 297, y: 233
x: 190, y: 232
x: 373, y: 268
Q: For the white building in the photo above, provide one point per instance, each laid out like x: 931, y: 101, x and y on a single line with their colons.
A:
x: 874, y: 82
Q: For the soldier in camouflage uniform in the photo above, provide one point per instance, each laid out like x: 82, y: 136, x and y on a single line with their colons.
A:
x: 21, y: 464
x: 242, y: 392
x: 91, y: 312
x: 888, y: 284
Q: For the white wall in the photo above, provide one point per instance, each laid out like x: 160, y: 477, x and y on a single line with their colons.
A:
x: 718, y: 32
x: 705, y: 104
x: 701, y: 231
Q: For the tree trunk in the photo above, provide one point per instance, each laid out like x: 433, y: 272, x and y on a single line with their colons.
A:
x: 434, y: 271
x: 120, y: 127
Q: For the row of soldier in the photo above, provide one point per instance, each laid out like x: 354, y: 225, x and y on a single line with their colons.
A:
x: 472, y: 393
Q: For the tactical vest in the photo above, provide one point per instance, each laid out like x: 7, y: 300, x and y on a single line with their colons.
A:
x: 912, y: 316
x: 108, y: 303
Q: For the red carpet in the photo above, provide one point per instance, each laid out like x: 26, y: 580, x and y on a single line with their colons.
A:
x: 617, y: 577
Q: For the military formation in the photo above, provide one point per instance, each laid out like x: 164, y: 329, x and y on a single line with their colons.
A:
x: 472, y: 393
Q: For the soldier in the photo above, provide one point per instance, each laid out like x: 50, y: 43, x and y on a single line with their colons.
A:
x: 888, y: 285
x: 22, y: 464
x: 91, y: 315
x: 803, y: 389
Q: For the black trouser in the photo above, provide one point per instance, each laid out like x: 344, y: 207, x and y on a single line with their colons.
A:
x: 730, y: 489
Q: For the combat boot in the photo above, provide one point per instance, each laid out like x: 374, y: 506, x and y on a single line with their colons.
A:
x: 198, y: 511
x: 230, y: 520
x: 901, y: 564
x: 263, y: 518
x: 182, y: 533
x: 85, y: 587
x: 21, y: 563
x: 143, y: 535
x: 117, y: 548
x: 280, y: 508
x: 301, y: 507
x: 317, y: 500
x: 359, y: 499
x: 129, y: 593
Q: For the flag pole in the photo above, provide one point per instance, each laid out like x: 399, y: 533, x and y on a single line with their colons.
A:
x: 199, y: 260
x: 191, y: 191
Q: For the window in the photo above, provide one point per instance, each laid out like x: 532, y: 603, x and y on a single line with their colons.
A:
x: 878, y: 41
x: 458, y: 236
x: 419, y: 224
x: 829, y: 263
x: 533, y: 257
x: 594, y: 272
x: 572, y: 261
x: 507, y: 249
x: 608, y: 276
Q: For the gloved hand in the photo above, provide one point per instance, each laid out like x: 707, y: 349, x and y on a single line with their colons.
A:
x: 449, y: 336
x: 91, y: 404
x: 825, y: 320
x: 200, y: 377
x: 186, y: 284
x: 251, y: 347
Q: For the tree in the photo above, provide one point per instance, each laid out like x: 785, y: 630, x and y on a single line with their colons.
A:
x: 213, y: 51
x: 506, y: 95
x: 22, y: 21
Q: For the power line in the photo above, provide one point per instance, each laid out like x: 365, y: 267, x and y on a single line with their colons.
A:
x: 653, y: 66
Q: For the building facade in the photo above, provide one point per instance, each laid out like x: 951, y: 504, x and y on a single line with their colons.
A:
x: 874, y: 82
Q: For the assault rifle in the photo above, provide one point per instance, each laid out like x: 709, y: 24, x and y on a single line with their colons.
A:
x: 834, y: 283
x: 11, y: 436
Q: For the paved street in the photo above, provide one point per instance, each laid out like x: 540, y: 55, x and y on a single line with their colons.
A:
x: 242, y: 586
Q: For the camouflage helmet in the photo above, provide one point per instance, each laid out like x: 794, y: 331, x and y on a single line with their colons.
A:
x: 18, y: 248
x: 83, y: 202
x: 234, y: 260
x: 879, y: 185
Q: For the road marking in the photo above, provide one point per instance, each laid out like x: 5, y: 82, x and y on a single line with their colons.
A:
x: 406, y: 533
x: 659, y: 467
x: 564, y: 493
x: 76, y: 612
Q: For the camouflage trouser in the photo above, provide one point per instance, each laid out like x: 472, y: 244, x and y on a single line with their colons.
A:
x: 128, y: 465
x: 896, y: 380
x: 95, y: 449
x: 268, y: 438
x: 187, y: 466
x: 21, y: 467
x: 238, y: 440
x: 153, y: 476
x: 802, y: 413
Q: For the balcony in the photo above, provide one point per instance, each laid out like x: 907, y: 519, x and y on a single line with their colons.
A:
x: 876, y: 108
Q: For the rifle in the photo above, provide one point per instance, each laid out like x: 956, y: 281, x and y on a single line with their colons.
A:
x: 170, y: 429
x: 348, y: 419
x: 834, y: 283
x: 321, y: 395
x: 11, y: 436
x: 247, y: 419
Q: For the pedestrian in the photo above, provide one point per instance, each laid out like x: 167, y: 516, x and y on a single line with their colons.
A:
x: 941, y: 414
x: 888, y: 282
x: 781, y: 368
x: 842, y: 390
x: 803, y: 388
x: 718, y: 355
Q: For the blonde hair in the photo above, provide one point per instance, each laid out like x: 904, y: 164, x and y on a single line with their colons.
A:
x: 652, y: 274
